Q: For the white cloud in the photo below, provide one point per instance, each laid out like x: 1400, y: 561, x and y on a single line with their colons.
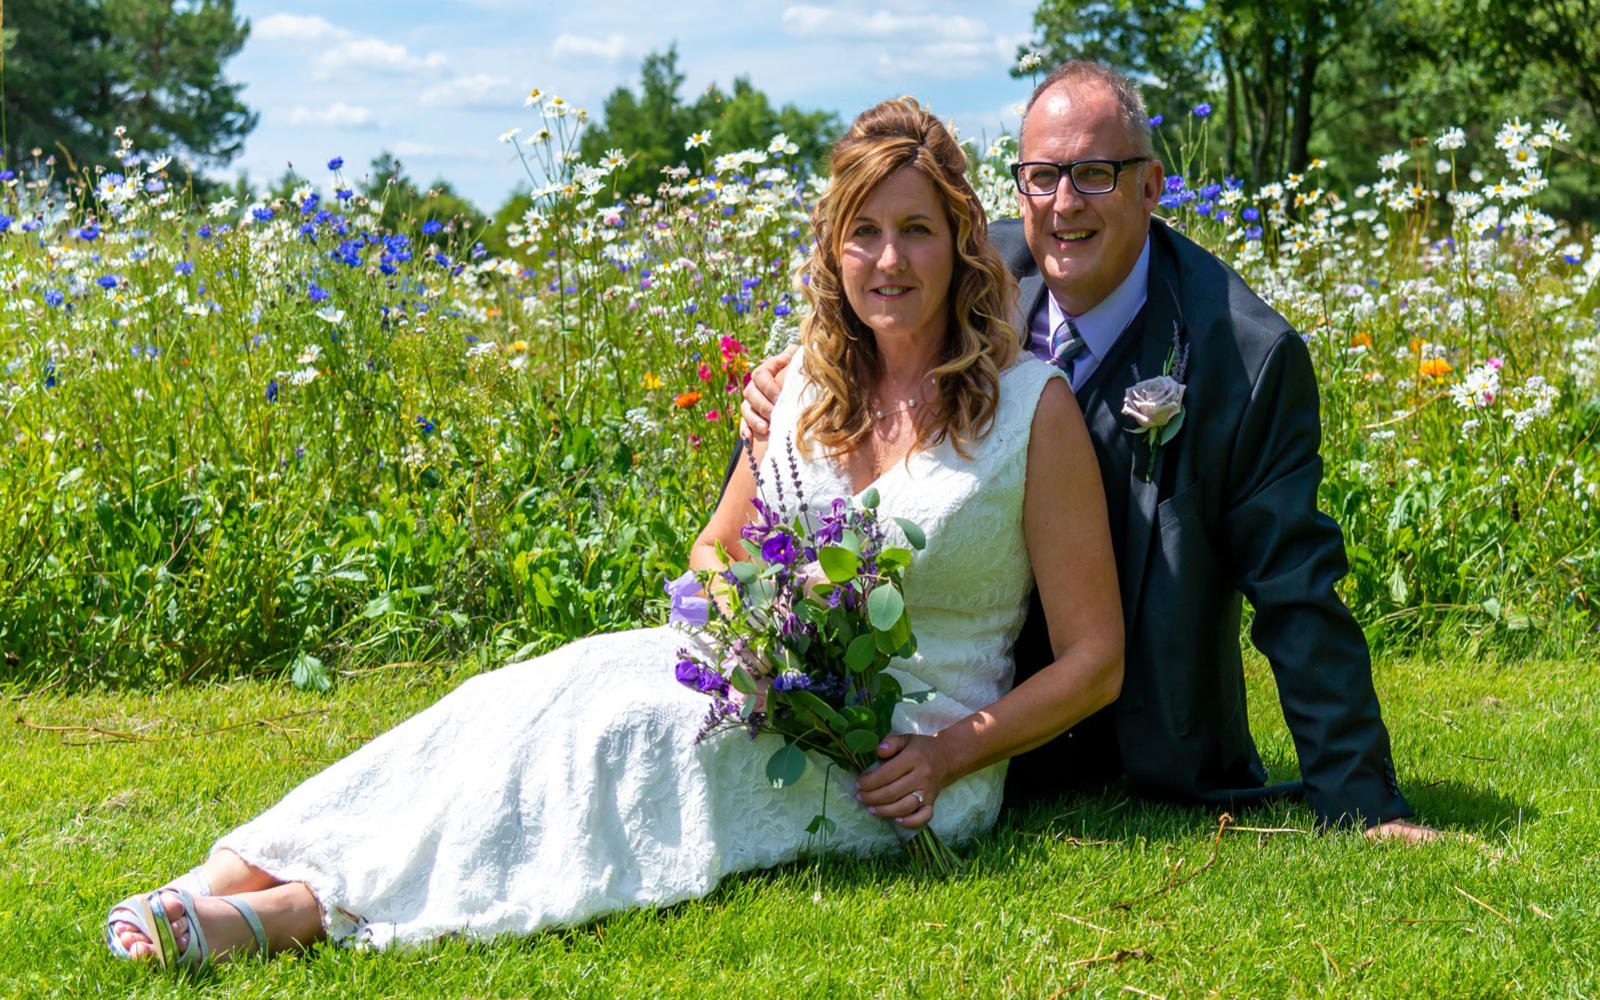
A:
x: 336, y: 115
x: 609, y: 49
x: 949, y: 59
x: 477, y: 90
x: 372, y: 54
x: 810, y: 21
x: 295, y: 28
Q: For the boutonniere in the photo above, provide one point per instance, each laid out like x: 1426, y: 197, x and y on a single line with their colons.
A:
x: 1156, y: 404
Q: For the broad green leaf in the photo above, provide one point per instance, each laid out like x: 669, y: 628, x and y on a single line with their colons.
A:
x: 884, y: 608
x: 862, y: 741
x: 821, y: 824
x: 742, y: 681
x: 751, y: 547
x: 839, y: 564
x: 861, y: 652
x: 850, y: 540
x: 786, y: 766
x: 919, y: 697
x: 1492, y: 606
x: 308, y: 673
x: 859, y: 716
x: 894, y: 558
x: 913, y: 533
x: 745, y: 572
x: 869, y: 499
x: 1173, y: 427
x: 818, y: 708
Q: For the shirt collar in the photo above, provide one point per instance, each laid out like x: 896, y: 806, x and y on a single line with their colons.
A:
x: 1101, y: 326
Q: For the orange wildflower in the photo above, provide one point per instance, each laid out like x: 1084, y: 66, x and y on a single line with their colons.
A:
x: 684, y: 400
x: 1435, y: 367
x: 1361, y: 340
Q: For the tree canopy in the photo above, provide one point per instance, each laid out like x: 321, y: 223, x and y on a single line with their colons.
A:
x: 1342, y: 80
x: 75, y: 70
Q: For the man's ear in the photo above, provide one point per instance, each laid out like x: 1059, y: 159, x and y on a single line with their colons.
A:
x: 1155, y: 181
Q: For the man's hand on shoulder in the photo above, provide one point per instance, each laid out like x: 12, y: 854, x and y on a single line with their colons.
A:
x: 1399, y: 829
x: 761, y: 392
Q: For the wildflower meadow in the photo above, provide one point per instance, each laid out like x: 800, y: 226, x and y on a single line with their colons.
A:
x: 271, y: 438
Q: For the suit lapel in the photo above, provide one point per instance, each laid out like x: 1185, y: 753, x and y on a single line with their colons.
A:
x: 1162, y: 315
x: 1030, y: 299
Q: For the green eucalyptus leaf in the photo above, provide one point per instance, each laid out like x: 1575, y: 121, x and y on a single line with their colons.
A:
x: 838, y: 563
x: 861, y: 741
x: 742, y: 681
x: 913, y: 533
x: 861, y: 652
x: 869, y: 499
x: 885, y: 607
x: 744, y: 572
x: 817, y: 707
x: 850, y: 540
x: 786, y: 766
x: 894, y: 558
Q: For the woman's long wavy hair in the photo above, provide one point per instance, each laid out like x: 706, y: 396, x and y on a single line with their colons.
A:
x: 842, y: 359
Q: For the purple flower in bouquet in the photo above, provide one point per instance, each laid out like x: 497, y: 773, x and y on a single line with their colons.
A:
x: 791, y: 680
x: 687, y: 671
x: 688, y: 608
x: 780, y: 549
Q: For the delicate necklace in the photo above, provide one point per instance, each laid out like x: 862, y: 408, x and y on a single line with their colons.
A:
x: 905, y: 405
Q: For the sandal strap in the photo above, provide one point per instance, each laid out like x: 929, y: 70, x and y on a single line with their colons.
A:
x: 248, y: 912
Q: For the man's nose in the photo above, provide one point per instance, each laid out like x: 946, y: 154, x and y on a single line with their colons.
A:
x: 1066, y: 197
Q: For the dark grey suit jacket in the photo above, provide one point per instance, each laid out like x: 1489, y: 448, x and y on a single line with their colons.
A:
x: 1231, y: 512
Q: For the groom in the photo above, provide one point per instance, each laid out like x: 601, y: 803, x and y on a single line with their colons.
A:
x: 1224, y: 509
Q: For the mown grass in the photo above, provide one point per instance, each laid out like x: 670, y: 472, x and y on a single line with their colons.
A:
x: 1085, y: 897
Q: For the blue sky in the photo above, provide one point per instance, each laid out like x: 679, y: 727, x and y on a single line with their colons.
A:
x: 437, y: 81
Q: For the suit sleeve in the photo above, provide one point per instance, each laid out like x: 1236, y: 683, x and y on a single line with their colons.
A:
x: 1288, y: 558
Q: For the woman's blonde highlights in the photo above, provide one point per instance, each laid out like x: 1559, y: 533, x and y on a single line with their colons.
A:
x: 841, y: 354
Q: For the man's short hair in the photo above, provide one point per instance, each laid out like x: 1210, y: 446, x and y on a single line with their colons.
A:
x: 1135, y: 119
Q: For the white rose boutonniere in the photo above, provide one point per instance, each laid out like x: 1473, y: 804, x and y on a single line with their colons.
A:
x: 1156, y: 404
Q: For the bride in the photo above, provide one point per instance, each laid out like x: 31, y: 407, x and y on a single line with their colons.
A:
x: 552, y: 791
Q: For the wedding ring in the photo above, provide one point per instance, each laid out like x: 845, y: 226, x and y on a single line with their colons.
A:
x: 918, y: 797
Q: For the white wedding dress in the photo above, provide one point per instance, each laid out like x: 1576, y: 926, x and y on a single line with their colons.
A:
x: 553, y: 791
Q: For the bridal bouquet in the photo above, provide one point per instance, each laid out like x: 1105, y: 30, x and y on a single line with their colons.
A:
x: 801, y: 632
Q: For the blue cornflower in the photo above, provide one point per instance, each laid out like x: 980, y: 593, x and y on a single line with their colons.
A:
x: 184, y: 267
x: 1155, y: 120
x: 1210, y: 191
x: 781, y: 310
x: 310, y: 204
x: 53, y: 297
x: 1175, y: 183
x: 690, y: 308
x: 261, y: 213
x: 155, y: 185
x: 1250, y: 214
x: 30, y: 225
x: 1171, y: 200
x: 441, y: 260
x: 1253, y: 233
x: 272, y: 391
x: 309, y: 230
x: 204, y: 232
x: 425, y: 425
x: 791, y: 680
x: 50, y: 374
x: 87, y: 231
x: 1202, y: 109
x: 7, y: 175
x: 316, y: 292
x: 478, y: 251
x: 106, y: 281
x: 5, y: 222
x: 431, y: 226
x: 1204, y: 208
x: 1234, y: 183
x: 343, y: 194
x: 336, y: 163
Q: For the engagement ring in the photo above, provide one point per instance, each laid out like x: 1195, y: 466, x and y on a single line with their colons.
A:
x: 918, y: 797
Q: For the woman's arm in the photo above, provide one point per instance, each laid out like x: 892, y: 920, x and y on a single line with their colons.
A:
x: 1069, y: 545
x: 732, y: 512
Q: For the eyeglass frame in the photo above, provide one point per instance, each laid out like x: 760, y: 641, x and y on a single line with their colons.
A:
x: 1067, y: 170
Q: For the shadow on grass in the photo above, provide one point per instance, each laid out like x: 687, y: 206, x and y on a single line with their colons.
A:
x: 1460, y: 807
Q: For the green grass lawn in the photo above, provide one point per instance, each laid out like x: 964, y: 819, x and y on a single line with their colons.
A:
x: 1097, y: 896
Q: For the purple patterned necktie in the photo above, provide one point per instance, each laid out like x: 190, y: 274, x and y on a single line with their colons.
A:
x: 1066, y: 343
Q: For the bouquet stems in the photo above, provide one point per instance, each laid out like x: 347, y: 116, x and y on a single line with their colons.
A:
x: 932, y: 855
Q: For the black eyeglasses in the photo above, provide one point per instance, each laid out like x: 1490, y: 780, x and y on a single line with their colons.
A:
x: 1037, y: 178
